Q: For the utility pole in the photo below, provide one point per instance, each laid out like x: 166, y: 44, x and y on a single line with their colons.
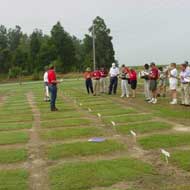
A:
x: 94, y: 46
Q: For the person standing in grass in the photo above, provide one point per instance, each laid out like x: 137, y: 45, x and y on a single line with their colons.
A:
x: 114, y: 73
x: 173, y: 82
x: 153, y: 76
x: 103, y: 86
x: 162, y: 82
x: 88, y: 80
x: 185, y: 85
x: 124, y: 82
x: 96, y: 78
x: 46, y: 88
x: 145, y: 75
x: 52, y: 83
x: 133, y: 81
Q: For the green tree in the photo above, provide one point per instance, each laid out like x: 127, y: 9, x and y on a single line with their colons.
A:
x: 64, y: 47
x: 14, y: 36
x: 35, y: 45
x: 104, y: 47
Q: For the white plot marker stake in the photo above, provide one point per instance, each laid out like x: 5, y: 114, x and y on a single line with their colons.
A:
x: 113, y: 123
x: 133, y: 134
x: 99, y: 115
x: 89, y: 110
x: 166, y: 154
x: 80, y: 104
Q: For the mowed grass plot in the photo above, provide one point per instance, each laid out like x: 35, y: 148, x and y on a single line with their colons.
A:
x: 144, y: 127
x: 13, y: 137
x: 71, y: 133
x: 181, y: 159
x: 12, y: 155
x: 86, y: 175
x: 127, y: 118
x: 60, y: 115
x: 13, y: 179
x: 164, y: 140
x: 68, y: 122
x: 83, y: 149
x: 115, y: 111
x: 14, y: 126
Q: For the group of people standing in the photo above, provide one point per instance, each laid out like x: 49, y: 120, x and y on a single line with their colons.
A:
x: 96, y: 81
x: 156, y: 79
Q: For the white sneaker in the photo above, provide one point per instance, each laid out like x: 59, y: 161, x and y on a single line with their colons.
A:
x: 155, y: 101
x: 173, y: 102
x: 150, y: 101
x: 122, y: 96
x: 127, y: 96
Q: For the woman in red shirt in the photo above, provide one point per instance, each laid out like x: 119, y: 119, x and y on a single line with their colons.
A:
x: 133, y: 81
x: 88, y: 80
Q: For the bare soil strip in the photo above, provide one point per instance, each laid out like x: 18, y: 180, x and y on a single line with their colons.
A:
x: 37, y: 165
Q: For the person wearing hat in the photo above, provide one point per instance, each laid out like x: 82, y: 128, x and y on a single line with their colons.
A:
x: 52, y: 83
x: 88, y: 80
x: 114, y: 73
x: 46, y: 87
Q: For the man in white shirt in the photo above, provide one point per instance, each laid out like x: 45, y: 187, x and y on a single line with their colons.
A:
x: 185, y: 85
x: 46, y: 88
x: 114, y: 73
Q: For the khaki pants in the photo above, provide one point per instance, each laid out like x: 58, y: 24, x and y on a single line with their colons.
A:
x: 103, y: 86
x: 185, y: 98
x: 147, y: 89
x: 96, y: 87
x: 124, y: 88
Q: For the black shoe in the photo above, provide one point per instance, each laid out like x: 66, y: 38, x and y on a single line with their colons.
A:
x: 158, y: 95
x: 54, y: 109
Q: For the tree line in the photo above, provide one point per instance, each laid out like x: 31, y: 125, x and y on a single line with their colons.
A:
x: 28, y: 54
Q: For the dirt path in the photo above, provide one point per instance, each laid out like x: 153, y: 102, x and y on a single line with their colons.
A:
x: 37, y: 164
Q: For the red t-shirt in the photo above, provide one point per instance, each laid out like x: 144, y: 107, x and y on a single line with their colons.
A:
x: 51, y: 76
x: 126, y: 70
x: 103, y: 73
x: 154, y: 73
x: 96, y: 74
x: 133, y: 75
x: 88, y: 75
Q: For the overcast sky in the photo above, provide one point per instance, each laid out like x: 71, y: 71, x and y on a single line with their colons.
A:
x: 142, y: 30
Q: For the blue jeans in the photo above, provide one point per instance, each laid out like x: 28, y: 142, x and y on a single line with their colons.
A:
x: 113, y: 85
x: 53, y: 91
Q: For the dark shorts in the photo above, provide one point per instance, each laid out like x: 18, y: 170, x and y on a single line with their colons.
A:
x: 153, y: 85
x: 133, y: 84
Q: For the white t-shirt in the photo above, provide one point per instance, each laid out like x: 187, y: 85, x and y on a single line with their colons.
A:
x: 173, y: 73
x: 46, y: 76
x: 114, y: 71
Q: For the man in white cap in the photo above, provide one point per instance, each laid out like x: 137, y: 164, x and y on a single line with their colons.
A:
x: 114, y: 73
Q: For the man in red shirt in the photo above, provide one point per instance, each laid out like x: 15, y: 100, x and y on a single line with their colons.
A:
x: 153, y: 76
x: 96, y: 78
x: 52, y: 83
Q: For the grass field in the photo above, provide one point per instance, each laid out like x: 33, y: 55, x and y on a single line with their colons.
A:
x: 42, y: 150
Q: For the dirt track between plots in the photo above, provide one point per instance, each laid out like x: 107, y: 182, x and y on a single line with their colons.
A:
x: 37, y: 164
